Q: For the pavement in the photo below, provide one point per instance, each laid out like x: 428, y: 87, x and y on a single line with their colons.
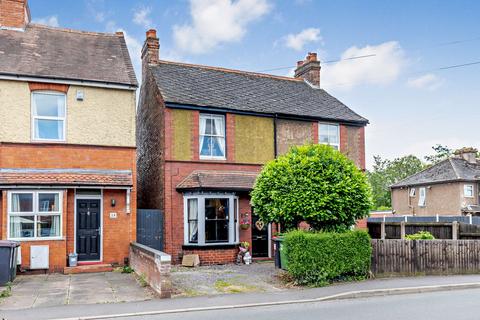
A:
x: 462, y: 305
x: 47, y: 290
x: 236, y: 303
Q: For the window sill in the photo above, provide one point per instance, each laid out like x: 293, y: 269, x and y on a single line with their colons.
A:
x: 213, y: 158
x: 37, y: 239
x: 210, y: 246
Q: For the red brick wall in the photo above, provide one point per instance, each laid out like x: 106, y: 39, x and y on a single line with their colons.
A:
x: 117, y: 233
x: 214, y: 256
x: 352, y: 144
x: 13, y: 13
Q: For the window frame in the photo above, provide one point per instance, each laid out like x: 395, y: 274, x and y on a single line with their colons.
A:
x: 35, y: 213
x: 337, y: 145
x: 210, y: 157
x: 465, y: 186
x: 422, y: 200
x: 35, y: 117
x: 413, y: 192
x: 233, y: 225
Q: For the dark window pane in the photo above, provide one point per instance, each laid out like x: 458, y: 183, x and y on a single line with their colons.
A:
x: 22, y: 202
x: 216, y: 220
x: 21, y: 227
x: 48, y: 202
x: 48, y: 226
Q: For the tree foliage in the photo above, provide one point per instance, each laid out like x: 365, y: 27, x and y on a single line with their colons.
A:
x: 441, y: 153
x: 312, y: 183
x: 387, y: 172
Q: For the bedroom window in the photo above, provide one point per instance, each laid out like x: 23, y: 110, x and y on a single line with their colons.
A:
x: 422, y: 196
x: 34, y: 215
x: 211, y: 219
x: 329, y: 133
x: 48, y: 116
x: 468, y: 191
x: 212, y: 136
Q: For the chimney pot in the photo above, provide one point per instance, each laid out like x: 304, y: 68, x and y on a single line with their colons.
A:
x: 151, y: 34
x: 468, y: 154
x: 119, y: 33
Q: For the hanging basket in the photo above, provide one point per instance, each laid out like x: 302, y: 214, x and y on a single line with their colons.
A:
x: 244, y: 226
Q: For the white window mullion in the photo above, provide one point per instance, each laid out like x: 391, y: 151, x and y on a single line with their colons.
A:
x: 201, y: 220
x: 231, y: 220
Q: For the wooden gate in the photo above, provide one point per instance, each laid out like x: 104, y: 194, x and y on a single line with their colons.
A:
x: 150, y: 228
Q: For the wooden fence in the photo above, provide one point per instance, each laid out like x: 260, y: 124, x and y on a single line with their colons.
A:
x: 407, y: 257
x: 440, y: 230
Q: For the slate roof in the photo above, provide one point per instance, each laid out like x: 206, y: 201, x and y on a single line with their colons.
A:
x: 218, y: 180
x: 47, y: 52
x: 66, y: 177
x: 214, y: 87
x: 450, y: 170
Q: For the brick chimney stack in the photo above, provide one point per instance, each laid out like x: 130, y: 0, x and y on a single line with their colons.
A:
x: 14, y: 14
x: 468, y: 154
x: 309, y: 69
x: 150, y: 50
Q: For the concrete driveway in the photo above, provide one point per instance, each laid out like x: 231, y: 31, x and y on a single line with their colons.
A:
x: 56, y: 289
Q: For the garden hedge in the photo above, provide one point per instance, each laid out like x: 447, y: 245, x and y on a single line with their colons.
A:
x: 323, y: 257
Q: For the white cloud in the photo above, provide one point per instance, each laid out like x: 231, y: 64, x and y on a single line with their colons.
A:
x: 141, y: 17
x: 217, y: 21
x: 427, y: 81
x: 382, y: 68
x: 51, y: 21
x: 299, y: 40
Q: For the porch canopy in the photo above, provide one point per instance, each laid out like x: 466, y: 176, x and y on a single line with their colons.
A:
x: 218, y: 180
x: 65, y: 177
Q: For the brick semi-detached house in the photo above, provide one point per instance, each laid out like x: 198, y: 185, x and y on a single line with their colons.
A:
x: 203, y: 134
x: 67, y: 143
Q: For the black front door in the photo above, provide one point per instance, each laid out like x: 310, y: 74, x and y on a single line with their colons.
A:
x: 259, y: 238
x: 88, y: 229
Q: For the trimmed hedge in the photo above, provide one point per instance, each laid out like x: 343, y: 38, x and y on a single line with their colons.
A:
x: 319, y: 258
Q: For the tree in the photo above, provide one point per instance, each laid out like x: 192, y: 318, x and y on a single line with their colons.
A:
x: 386, y: 172
x: 312, y: 183
x: 441, y: 153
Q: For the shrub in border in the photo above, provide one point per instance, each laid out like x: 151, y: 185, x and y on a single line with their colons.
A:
x: 319, y: 258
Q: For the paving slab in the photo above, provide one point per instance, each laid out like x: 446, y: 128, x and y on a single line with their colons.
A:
x: 37, y: 291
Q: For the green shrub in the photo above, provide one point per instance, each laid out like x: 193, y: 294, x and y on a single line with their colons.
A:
x: 421, y: 235
x: 312, y: 183
x: 319, y: 258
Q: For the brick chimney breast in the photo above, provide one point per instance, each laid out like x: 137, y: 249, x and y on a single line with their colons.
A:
x: 468, y: 154
x: 309, y: 69
x: 14, y: 14
x: 150, y: 50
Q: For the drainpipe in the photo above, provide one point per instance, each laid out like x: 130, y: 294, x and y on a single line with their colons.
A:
x: 275, y: 151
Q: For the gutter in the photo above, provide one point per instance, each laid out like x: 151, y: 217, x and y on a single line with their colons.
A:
x: 59, y: 80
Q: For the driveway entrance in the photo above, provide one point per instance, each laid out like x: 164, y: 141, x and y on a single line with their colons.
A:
x: 90, y: 288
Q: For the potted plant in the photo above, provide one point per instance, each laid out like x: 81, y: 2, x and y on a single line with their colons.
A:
x: 243, y: 249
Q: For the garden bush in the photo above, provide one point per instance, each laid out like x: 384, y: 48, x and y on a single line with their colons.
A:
x: 315, y: 184
x: 421, y: 235
x: 317, y: 258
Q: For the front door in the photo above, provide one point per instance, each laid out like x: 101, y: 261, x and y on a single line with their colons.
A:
x: 259, y: 238
x: 88, y: 229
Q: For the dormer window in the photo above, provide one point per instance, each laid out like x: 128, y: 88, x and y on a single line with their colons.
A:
x: 212, y: 136
x: 48, y: 116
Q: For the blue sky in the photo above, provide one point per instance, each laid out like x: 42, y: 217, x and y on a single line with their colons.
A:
x: 411, y: 104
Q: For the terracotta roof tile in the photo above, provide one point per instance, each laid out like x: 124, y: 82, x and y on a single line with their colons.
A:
x: 67, y: 177
x: 218, y: 180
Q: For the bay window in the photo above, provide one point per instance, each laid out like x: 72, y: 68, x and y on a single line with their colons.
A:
x: 34, y: 215
x: 211, y: 219
x: 48, y: 116
x: 212, y: 136
x: 329, y: 133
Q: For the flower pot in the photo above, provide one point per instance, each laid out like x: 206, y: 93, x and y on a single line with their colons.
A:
x: 244, y: 226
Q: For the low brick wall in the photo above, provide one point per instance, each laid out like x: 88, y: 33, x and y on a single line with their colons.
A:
x: 154, y: 265
x: 214, y: 255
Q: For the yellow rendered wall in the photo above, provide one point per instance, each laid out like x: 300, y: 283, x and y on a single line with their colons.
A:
x: 182, y: 124
x: 254, y: 141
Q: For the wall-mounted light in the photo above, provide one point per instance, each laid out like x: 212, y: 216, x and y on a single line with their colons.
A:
x: 113, y: 203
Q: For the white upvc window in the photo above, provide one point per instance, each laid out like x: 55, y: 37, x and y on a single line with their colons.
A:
x: 48, y: 116
x: 468, y: 191
x: 422, y: 196
x: 212, y: 136
x: 34, y: 215
x: 210, y: 219
x: 329, y: 133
